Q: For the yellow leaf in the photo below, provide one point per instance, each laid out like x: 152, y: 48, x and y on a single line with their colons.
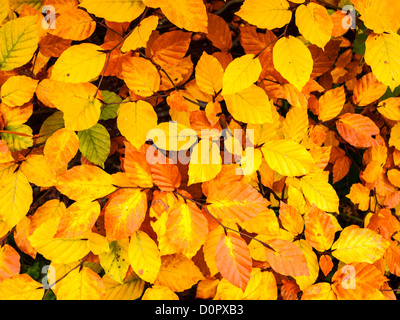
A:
x: 209, y: 249
x: 157, y: 292
x: 305, y: 282
x: 97, y: 243
x: 262, y: 286
x: 58, y: 250
x: 293, y: 60
x: 78, y: 219
x: 141, y: 76
x: 291, y: 219
x: 357, y: 244
x: 85, y: 183
x: 21, y: 287
x: 130, y: 289
x: 76, y: 100
x: 115, y: 10
x: 186, y: 228
x: 287, y: 157
x: 144, y: 256
x: 79, y: 63
x: 209, y: 74
x: 205, y: 162
x: 18, y: 41
x: 264, y: 222
x: 140, y: 35
x: 390, y: 108
x: 135, y: 120
x: 320, y: 192
x: 395, y: 136
x: 178, y: 273
x: 81, y: 284
x: 379, y: 16
x: 4, y: 8
x: 16, y: 116
x: 240, y: 74
x: 331, y: 103
x: 191, y: 16
x: 250, y: 105
x: 115, y: 262
x: 37, y: 169
x: 266, y: 15
x: 295, y: 124
x: 382, y: 54
x: 228, y: 291
x: 16, y: 196
x: 18, y: 90
x: 60, y: 148
x: 314, y: 23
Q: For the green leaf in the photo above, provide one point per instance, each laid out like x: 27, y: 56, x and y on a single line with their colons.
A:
x: 17, y: 142
x: 95, y: 144
x: 50, y: 125
x: 359, y: 43
x: 19, y: 39
x: 110, y: 111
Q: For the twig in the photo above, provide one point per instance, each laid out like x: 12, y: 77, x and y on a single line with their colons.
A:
x: 15, y: 133
x: 80, y: 264
x: 112, y: 49
x: 227, y: 5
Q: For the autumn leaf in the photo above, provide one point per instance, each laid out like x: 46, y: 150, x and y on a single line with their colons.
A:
x: 357, y: 130
x: 359, y: 245
x: 124, y: 213
x: 119, y: 11
x: 275, y: 14
x: 19, y: 40
x: 178, y: 150
x: 293, y: 61
x: 232, y: 258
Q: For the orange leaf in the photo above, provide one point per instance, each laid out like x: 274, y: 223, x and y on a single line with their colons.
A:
x: 341, y: 168
x: 124, y: 213
x: 166, y: 176
x: 357, y: 281
x: 287, y: 259
x: 219, y: 33
x: 187, y: 228
x: 170, y: 47
x: 326, y: 264
x: 137, y: 167
x: 320, y: 231
x: 368, y: 89
x: 358, y: 130
x: 9, y: 262
x: 74, y: 24
x: 232, y: 257
x: 235, y: 201
x: 291, y: 219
